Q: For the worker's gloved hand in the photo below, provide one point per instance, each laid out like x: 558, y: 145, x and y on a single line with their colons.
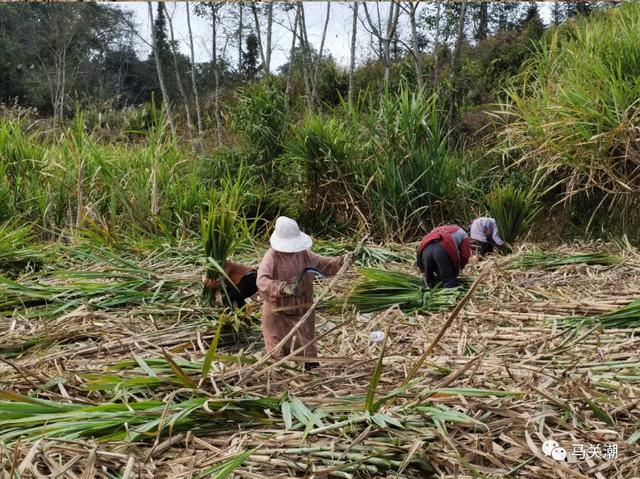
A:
x: 210, y: 282
x: 506, y: 248
x: 292, y: 289
x: 219, y: 301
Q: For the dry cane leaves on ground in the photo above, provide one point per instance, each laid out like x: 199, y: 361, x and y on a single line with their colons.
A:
x: 100, y: 389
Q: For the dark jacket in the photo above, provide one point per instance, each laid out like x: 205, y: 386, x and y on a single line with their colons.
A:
x: 453, y: 239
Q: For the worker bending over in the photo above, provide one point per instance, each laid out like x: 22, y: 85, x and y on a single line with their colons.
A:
x: 442, y: 254
x: 484, y: 235
x: 240, y: 284
x: 287, y: 290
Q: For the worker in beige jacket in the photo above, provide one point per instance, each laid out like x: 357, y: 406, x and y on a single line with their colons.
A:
x: 287, y: 291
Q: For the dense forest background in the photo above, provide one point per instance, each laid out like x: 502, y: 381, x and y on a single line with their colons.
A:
x: 454, y: 103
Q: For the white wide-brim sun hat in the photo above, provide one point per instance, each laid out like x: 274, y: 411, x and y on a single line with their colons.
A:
x: 287, y: 237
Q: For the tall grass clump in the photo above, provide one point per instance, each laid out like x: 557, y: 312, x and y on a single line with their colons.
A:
x: 384, y: 166
x: 407, y: 174
x: 21, y: 159
x: 513, y: 209
x: 149, y: 186
x: 259, y: 117
x: 154, y: 186
x: 574, y: 112
x: 17, y: 250
x: 323, y: 152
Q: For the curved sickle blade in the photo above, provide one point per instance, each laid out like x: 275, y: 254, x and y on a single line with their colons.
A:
x: 315, y: 271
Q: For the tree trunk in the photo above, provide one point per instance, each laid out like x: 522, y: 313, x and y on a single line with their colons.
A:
x: 183, y: 94
x: 216, y: 71
x: 460, y: 37
x: 455, y: 65
x: 269, y: 32
x: 306, y: 55
x: 352, y: 62
x: 193, y: 73
x: 314, y: 83
x: 256, y: 21
x: 377, y: 33
x: 163, y: 89
x: 436, y: 40
x: 291, y: 59
x: 555, y: 13
x: 63, y: 83
x: 380, y: 39
x: 483, y: 21
x: 58, y: 90
x: 413, y: 8
x: 392, y: 22
x: 240, y: 27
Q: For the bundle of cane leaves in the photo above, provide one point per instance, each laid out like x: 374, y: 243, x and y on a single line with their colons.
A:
x: 16, y: 248
x: 97, y: 290
x: 513, y: 209
x: 609, y: 374
x: 223, y: 230
x: 626, y: 317
x: 382, y: 289
x: 154, y: 373
x: 549, y: 260
x: 368, y: 255
x: 29, y: 418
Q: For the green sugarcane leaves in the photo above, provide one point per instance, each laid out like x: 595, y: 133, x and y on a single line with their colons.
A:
x: 550, y: 261
x: 223, y: 228
x: 184, y: 379
x: 381, y: 289
x: 384, y: 421
x: 442, y: 414
x: 626, y: 317
x: 633, y: 438
x: 17, y: 249
x: 144, y: 366
x: 514, y: 210
x: 375, y: 379
x: 292, y: 407
x: 211, y: 352
x: 227, y: 466
x: 599, y: 412
x: 286, y: 414
x: 365, y: 256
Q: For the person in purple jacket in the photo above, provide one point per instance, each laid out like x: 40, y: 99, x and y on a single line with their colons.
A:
x: 484, y: 235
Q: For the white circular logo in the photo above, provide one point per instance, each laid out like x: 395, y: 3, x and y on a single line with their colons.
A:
x: 559, y: 454
x: 377, y: 336
x: 548, y: 446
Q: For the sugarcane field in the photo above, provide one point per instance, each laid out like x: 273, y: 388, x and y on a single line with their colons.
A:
x: 320, y: 240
